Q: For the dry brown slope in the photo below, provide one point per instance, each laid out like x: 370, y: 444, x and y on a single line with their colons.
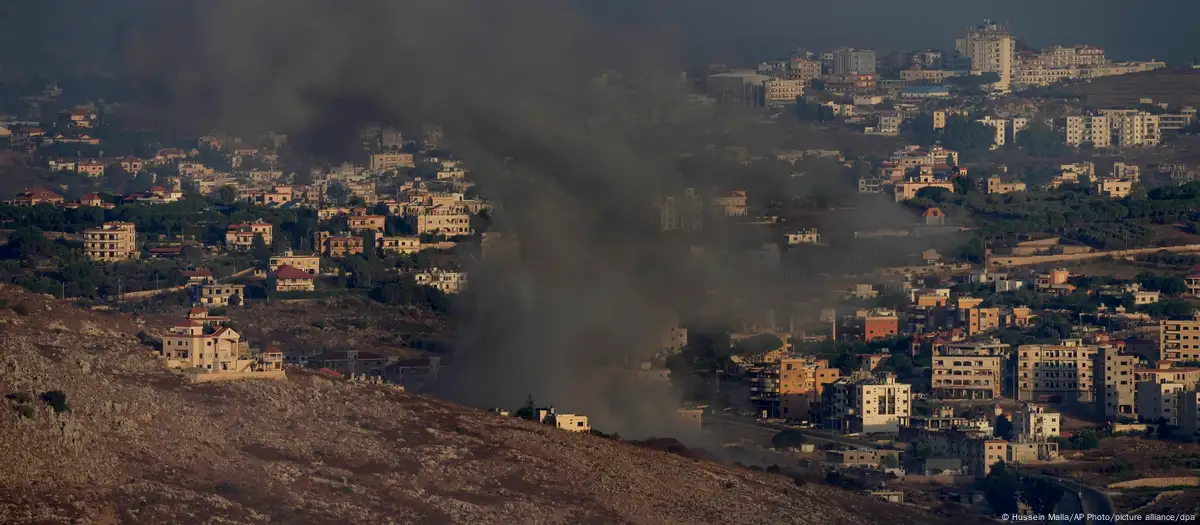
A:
x: 140, y: 446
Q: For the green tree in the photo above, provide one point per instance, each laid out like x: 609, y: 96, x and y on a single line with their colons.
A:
x: 1041, y: 494
x: 260, y: 250
x: 967, y: 136
x: 787, y: 439
x: 1004, y: 428
x: 1001, y: 489
x: 226, y: 195
x: 889, y: 461
x: 1085, y: 439
x: 529, y: 411
x: 1039, y: 140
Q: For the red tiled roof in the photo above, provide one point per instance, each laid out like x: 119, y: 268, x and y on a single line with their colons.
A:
x: 291, y: 272
x: 90, y: 197
x: 197, y: 312
x: 157, y: 188
x: 41, y: 194
x: 932, y: 212
x: 196, y: 273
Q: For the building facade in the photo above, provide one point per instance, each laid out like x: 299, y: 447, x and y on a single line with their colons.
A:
x: 990, y: 49
x: 114, y: 241
x: 869, y: 405
x: 1055, y: 373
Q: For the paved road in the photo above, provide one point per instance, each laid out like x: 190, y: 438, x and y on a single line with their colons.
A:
x: 1093, y: 501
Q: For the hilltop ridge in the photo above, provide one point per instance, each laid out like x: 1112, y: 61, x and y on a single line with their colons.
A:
x: 138, y: 444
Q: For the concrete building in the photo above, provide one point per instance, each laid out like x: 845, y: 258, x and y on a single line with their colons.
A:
x: 291, y: 279
x: 1000, y: 127
x: 1033, y: 423
x: 191, y: 345
x: 114, y: 241
x: 241, y: 236
x: 805, y: 69
x: 684, y: 212
x: 337, y: 246
x: 1055, y: 373
x: 880, y: 325
x: 990, y: 49
x: 444, y: 280
x: 308, y: 263
x: 1114, y: 188
x: 215, y: 295
x: 1094, y: 129
x: 387, y: 161
x: 913, y: 184
x: 869, y: 405
x: 969, y: 370
x: 1169, y: 372
x: 399, y: 244
x: 849, y: 61
x: 440, y: 219
x: 791, y: 388
x: 804, y: 236
x: 1179, y: 340
x: 1114, y: 384
x: 996, y: 185
x: 731, y: 203
x: 366, y: 223
x: 1156, y: 401
x: 777, y: 91
x: 1189, y: 412
x: 1126, y: 171
x: 1132, y: 127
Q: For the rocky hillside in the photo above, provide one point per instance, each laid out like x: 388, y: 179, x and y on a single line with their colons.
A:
x: 133, y: 443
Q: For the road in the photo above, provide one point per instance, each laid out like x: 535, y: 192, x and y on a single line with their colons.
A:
x: 1080, y: 499
x: 761, y: 430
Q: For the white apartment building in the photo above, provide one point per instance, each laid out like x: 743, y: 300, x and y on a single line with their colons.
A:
x: 1158, y: 400
x: 1096, y: 129
x: 1131, y: 127
x: 870, y: 405
x: 1034, y: 423
x: 990, y: 49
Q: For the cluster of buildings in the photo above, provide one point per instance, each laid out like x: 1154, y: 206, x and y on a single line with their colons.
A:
x: 1124, y: 127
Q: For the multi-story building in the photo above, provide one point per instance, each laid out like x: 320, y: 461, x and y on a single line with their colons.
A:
x: 398, y: 244
x: 1188, y: 406
x: 1179, y: 340
x: 990, y: 49
x: 190, y: 345
x: 969, y: 370
x: 387, y: 161
x: 1132, y: 127
x: 730, y: 203
x: 114, y: 241
x: 1168, y: 372
x: 1127, y: 171
x: 291, y: 279
x: 1114, y: 188
x: 336, y: 246
x: 681, y: 212
x: 804, y: 236
x: 364, y: 223
x: 1055, y: 373
x: 869, y: 405
x: 805, y: 69
x: 913, y: 184
x: 308, y: 263
x: 241, y: 236
x: 216, y: 295
x: 999, y: 126
x: 444, y: 280
x: 1093, y: 129
x: 779, y: 91
x: 1156, y: 401
x: 997, y: 185
x: 440, y: 219
x: 1033, y: 423
x: 880, y: 325
x: 790, y: 388
x: 1073, y: 56
x: 849, y: 61
x: 1176, y: 121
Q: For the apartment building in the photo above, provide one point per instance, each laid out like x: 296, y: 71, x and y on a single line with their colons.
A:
x: 730, y: 203
x: 1071, y: 56
x: 191, y: 345
x: 1055, y: 373
x: 1155, y: 401
x: 387, y: 161
x: 1093, y: 129
x: 1132, y: 127
x: 1176, y: 121
x: 880, y: 325
x: 790, y: 388
x: 308, y: 263
x: 779, y: 91
x: 366, y: 223
x: 683, y: 212
x: 869, y: 405
x: 972, y: 370
x: 912, y: 185
x: 1169, y: 372
x: 805, y: 69
x: 914, y: 157
x: 216, y: 295
x: 444, y: 280
x: 241, y: 236
x: 398, y: 244
x: 1179, y: 340
x: 1032, y: 423
x: 850, y: 61
x: 1114, y: 188
x: 114, y: 241
x: 990, y: 49
x: 999, y: 127
x: 569, y: 422
x: 996, y: 185
x: 291, y: 279
x: 336, y: 246
x: 440, y: 219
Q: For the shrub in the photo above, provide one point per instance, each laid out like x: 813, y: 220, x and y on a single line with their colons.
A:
x: 20, y: 309
x: 57, y: 399
x: 27, y: 412
x: 20, y: 398
x: 774, y: 469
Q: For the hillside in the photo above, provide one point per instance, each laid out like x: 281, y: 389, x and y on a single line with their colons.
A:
x: 1174, y: 86
x: 138, y: 445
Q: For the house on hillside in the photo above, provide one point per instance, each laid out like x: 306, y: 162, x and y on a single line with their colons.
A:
x: 288, y: 278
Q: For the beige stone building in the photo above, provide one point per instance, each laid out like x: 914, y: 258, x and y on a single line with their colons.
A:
x: 1055, y: 373
x: 241, y: 236
x: 1156, y: 400
x: 990, y: 48
x: 308, y: 263
x: 444, y: 280
x: 387, y: 161
x: 214, y: 295
x: 1095, y: 129
x: 969, y: 370
x: 115, y: 241
x: 399, y: 244
x: 997, y: 185
x: 292, y: 279
x: 1115, y: 188
x: 190, y: 345
x: 440, y: 219
x: 1034, y: 423
x: 869, y: 405
x: 1179, y: 340
x: 730, y: 203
